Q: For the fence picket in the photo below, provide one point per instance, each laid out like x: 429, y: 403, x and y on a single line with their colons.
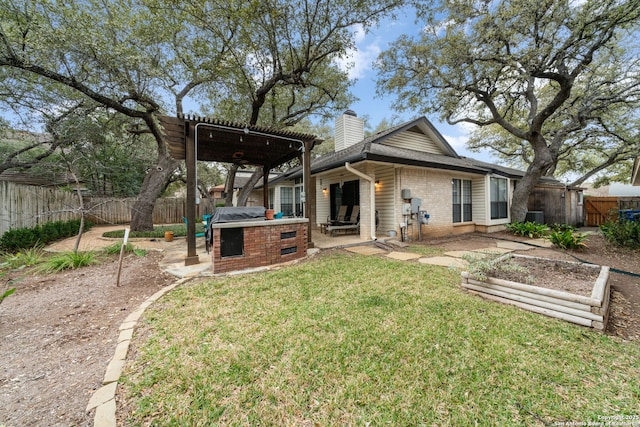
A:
x: 23, y: 206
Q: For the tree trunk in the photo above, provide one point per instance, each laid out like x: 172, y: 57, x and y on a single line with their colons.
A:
x: 243, y: 197
x: 229, y: 185
x: 524, y: 187
x: 152, y: 186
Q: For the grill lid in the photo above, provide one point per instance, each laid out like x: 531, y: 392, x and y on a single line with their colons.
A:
x: 241, y: 213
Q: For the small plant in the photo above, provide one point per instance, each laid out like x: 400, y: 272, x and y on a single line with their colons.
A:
x: 25, y: 258
x: 562, y: 227
x: 568, y: 239
x: 528, y: 229
x: 481, y: 267
x: 116, y: 247
x: 139, y: 252
x: 622, y: 233
x: 7, y: 293
x: 129, y: 248
x: 68, y: 260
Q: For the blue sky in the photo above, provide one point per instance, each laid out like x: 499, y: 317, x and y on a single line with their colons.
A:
x: 369, y: 45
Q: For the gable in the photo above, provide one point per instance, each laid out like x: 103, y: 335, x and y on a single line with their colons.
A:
x: 412, y: 140
x: 418, y: 135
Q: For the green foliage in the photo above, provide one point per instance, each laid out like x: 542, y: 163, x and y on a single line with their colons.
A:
x: 562, y: 227
x: 528, y: 229
x: 622, y: 233
x: 568, y: 239
x: 68, y: 260
x: 7, y: 293
x: 179, y: 230
x: 116, y: 247
x: 483, y: 266
x: 24, y: 238
x: 129, y: 248
x: 24, y: 258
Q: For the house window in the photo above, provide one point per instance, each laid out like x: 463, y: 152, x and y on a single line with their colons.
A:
x: 286, y: 200
x: 298, y: 191
x: 498, y: 198
x: 272, y: 198
x: 461, y: 191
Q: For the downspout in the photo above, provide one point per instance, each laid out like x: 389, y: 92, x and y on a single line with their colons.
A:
x: 372, y: 188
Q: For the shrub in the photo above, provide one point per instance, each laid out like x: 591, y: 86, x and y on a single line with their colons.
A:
x: 24, y: 258
x: 481, y: 267
x: 179, y: 230
x: 622, y: 233
x: 562, y: 227
x: 528, y: 229
x: 25, y: 238
x: 68, y: 260
x: 128, y: 248
x: 568, y: 239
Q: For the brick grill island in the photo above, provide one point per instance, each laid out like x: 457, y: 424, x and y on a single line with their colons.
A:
x: 257, y: 242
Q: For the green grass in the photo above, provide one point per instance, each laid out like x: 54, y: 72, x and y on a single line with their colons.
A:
x: 356, y: 340
x: 428, y: 251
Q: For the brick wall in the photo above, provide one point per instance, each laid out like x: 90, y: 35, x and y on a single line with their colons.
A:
x: 263, y: 245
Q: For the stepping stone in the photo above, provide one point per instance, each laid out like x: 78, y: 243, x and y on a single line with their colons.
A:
x: 492, y: 251
x: 543, y: 243
x: 514, y: 246
x: 403, y: 256
x: 444, y: 261
x: 366, y: 250
x: 460, y: 254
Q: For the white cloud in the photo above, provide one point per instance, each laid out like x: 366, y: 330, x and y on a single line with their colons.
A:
x: 458, y: 142
x: 359, y: 61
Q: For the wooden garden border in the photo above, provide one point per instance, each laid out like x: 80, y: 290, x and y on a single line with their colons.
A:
x: 590, y: 311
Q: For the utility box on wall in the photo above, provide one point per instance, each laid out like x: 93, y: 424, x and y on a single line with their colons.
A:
x: 405, y: 193
x: 415, y: 205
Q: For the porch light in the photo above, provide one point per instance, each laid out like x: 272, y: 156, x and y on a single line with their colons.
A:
x: 377, y: 184
x: 325, y: 191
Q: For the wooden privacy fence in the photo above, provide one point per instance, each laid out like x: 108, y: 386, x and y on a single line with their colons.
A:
x: 118, y: 211
x: 24, y: 206
x: 599, y: 210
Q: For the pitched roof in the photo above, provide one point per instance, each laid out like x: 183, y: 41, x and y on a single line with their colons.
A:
x: 373, y: 149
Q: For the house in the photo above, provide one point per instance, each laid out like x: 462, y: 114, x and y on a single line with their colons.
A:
x: 409, y: 181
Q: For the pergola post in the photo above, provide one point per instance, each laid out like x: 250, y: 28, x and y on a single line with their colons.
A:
x: 306, y: 178
x: 266, y: 170
x: 190, y: 160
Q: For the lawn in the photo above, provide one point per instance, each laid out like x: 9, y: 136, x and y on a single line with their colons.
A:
x: 345, y: 339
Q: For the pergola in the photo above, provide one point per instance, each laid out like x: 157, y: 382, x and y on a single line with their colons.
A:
x: 195, y: 138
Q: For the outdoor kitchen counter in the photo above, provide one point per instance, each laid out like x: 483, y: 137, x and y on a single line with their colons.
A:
x: 259, y: 223
x: 242, y: 245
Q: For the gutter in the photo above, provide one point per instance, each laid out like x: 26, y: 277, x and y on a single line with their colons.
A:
x: 372, y: 187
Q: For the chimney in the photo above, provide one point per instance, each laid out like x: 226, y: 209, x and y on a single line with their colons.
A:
x: 349, y: 130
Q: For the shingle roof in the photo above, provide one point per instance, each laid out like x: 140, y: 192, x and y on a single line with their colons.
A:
x: 372, y: 149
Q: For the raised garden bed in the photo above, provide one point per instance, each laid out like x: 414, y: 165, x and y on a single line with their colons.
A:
x: 571, y: 291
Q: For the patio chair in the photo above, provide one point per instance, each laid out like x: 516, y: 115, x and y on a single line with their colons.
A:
x: 354, y: 217
x: 342, y: 211
x: 198, y: 234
